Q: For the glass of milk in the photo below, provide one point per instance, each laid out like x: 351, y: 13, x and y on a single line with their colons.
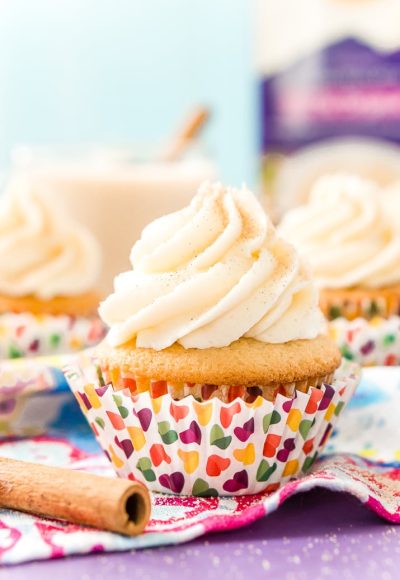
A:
x: 114, y: 191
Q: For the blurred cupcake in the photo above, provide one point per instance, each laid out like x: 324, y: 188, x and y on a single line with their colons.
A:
x: 48, y: 270
x: 215, y: 377
x: 391, y: 203
x: 353, y: 248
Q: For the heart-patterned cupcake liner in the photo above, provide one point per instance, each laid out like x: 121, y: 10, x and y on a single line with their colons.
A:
x: 211, y: 448
x: 26, y: 335
x: 368, y: 304
x: 123, y: 378
x: 368, y: 342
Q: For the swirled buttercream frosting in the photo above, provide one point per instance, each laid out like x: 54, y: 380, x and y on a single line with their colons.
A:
x: 212, y: 273
x: 345, y: 234
x: 42, y: 252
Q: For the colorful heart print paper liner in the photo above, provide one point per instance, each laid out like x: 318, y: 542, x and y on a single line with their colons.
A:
x: 368, y: 342
x: 27, y: 335
x: 211, y: 448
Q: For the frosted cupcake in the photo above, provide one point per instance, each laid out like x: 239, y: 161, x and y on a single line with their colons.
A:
x: 216, y: 305
x: 48, y: 270
x: 353, y: 248
x: 215, y: 377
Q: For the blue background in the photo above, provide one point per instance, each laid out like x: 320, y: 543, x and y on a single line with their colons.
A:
x: 128, y: 70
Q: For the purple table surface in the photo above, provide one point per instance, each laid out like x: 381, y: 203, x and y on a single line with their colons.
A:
x: 315, y: 535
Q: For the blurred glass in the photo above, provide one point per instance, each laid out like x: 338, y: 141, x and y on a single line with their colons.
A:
x: 114, y: 191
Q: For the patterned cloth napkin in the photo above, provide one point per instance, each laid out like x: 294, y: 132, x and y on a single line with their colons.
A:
x: 362, y: 458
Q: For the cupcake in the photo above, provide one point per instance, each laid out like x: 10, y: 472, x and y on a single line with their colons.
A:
x: 353, y: 248
x: 216, y: 376
x: 48, y: 270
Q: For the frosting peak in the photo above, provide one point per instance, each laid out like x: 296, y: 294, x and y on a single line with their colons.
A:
x: 345, y: 234
x: 210, y: 274
x: 42, y: 252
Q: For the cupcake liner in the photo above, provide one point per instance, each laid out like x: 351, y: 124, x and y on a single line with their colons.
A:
x: 351, y: 305
x: 211, y: 448
x: 27, y: 335
x: 368, y: 342
x: 123, y: 378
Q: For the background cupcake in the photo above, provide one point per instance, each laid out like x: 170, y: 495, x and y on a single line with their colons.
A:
x: 354, y: 250
x: 215, y: 376
x: 48, y: 270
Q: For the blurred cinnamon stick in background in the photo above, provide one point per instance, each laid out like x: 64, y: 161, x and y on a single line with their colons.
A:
x: 189, y: 130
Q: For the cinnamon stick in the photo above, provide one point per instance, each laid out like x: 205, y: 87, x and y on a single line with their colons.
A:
x: 189, y: 130
x: 118, y: 505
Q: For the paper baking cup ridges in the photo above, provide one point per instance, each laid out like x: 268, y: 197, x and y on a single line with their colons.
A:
x: 211, y: 448
x: 367, y: 304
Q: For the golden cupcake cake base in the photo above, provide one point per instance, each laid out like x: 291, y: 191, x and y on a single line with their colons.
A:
x: 247, y: 369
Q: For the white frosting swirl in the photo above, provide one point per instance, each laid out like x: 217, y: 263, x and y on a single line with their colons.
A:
x: 42, y: 252
x: 210, y: 274
x: 345, y: 234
